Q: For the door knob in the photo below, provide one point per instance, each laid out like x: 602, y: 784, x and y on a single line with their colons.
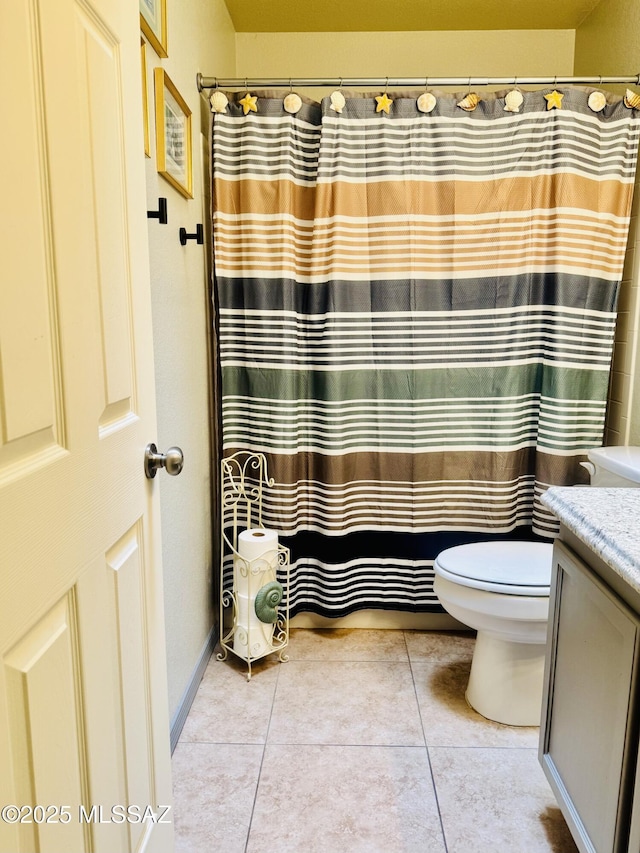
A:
x: 172, y: 461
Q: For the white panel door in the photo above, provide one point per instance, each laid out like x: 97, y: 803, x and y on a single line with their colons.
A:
x: 84, y: 739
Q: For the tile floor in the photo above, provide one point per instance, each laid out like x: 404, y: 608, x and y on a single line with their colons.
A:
x: 361, y: 743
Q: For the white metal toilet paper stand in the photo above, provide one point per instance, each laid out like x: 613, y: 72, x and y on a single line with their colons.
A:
x: 254, y: 621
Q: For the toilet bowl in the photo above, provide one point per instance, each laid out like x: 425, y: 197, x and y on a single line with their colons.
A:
x: 502, y: 590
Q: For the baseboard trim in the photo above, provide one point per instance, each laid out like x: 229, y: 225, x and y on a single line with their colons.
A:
x: 180, y: 716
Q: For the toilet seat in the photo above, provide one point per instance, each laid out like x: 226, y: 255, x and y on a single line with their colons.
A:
x: 510, y: 568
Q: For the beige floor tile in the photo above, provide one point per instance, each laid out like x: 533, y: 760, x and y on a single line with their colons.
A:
x: 354, y: 644
x: 494, y: 800
x: 230, y: 709
x: 432, y: 646
x: 448, y: 720
x: 340, y: 702
x: 214, y: 788
x: 324, y: 799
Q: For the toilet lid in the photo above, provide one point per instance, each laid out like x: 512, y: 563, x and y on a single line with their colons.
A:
x: 516, y: 568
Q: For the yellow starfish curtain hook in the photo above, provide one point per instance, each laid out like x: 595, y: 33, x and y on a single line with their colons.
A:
x: 249, y: 102
x: 383, y: 102
x: 554, y: 100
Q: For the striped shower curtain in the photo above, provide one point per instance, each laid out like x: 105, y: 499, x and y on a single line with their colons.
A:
x: 416, y: 317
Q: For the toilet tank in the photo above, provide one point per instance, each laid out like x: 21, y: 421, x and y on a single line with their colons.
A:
x: 614, y: 467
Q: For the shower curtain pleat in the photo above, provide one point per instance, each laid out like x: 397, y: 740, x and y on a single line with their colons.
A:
x: 416, y: 321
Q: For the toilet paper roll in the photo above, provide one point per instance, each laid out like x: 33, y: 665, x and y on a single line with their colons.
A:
x: 251, y: 638
x: 257, y: 561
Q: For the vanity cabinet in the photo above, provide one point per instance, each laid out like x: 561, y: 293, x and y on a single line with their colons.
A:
x: 590, y: 728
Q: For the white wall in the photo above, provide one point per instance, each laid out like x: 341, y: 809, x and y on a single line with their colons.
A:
x: 607, y: 44
x: 200, y: 38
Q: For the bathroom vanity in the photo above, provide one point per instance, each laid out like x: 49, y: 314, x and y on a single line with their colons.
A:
x: 590, y: 726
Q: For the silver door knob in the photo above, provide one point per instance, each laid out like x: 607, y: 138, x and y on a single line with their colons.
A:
x: 172, y: 461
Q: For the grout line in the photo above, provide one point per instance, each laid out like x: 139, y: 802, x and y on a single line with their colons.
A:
x: 264, y: 749
x: 426, y: 747
x: 334, y: 745
x: 221, y: 743
x: 349, y: 660
x: 435, y: 794
x: 349, y: 745
x: 492, y: 748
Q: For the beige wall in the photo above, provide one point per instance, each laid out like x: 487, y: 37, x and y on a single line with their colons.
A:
x: 607, y: 44
x: 200, y: 38
x: 405, y: 54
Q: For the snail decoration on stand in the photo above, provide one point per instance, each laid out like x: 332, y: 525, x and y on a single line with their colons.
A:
x: 267, y: 600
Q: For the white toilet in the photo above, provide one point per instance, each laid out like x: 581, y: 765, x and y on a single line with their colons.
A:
x: 502, y: 590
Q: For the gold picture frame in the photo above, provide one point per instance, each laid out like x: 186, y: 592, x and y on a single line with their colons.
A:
x: 145, y: 97
x: 173, y: 135
x: 153, y: 23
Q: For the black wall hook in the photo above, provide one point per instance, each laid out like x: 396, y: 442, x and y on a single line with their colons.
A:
x: 198, y: 236
x: 161, y: 213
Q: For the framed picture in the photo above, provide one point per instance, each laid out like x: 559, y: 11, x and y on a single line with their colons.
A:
x: 145, y: 99
x: 173, y: 135
x: 153, y: 23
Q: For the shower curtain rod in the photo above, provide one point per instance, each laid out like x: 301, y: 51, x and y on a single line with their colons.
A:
x: 247, y: 83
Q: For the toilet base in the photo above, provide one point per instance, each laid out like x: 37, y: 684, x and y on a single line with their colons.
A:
x: 505, y: 684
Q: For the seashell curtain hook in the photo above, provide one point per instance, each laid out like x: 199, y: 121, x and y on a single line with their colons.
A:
x: 292, y: 103
x: 469, y: 103
x: 426, y: 101
x: 337, y: 99
x: 470, y: 100
x: 514, y: 99
x: 218, y: 100
x: 597, y: 100
x: 631, y: 100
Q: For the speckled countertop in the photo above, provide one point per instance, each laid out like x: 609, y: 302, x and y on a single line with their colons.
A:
x: 606, y: 520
